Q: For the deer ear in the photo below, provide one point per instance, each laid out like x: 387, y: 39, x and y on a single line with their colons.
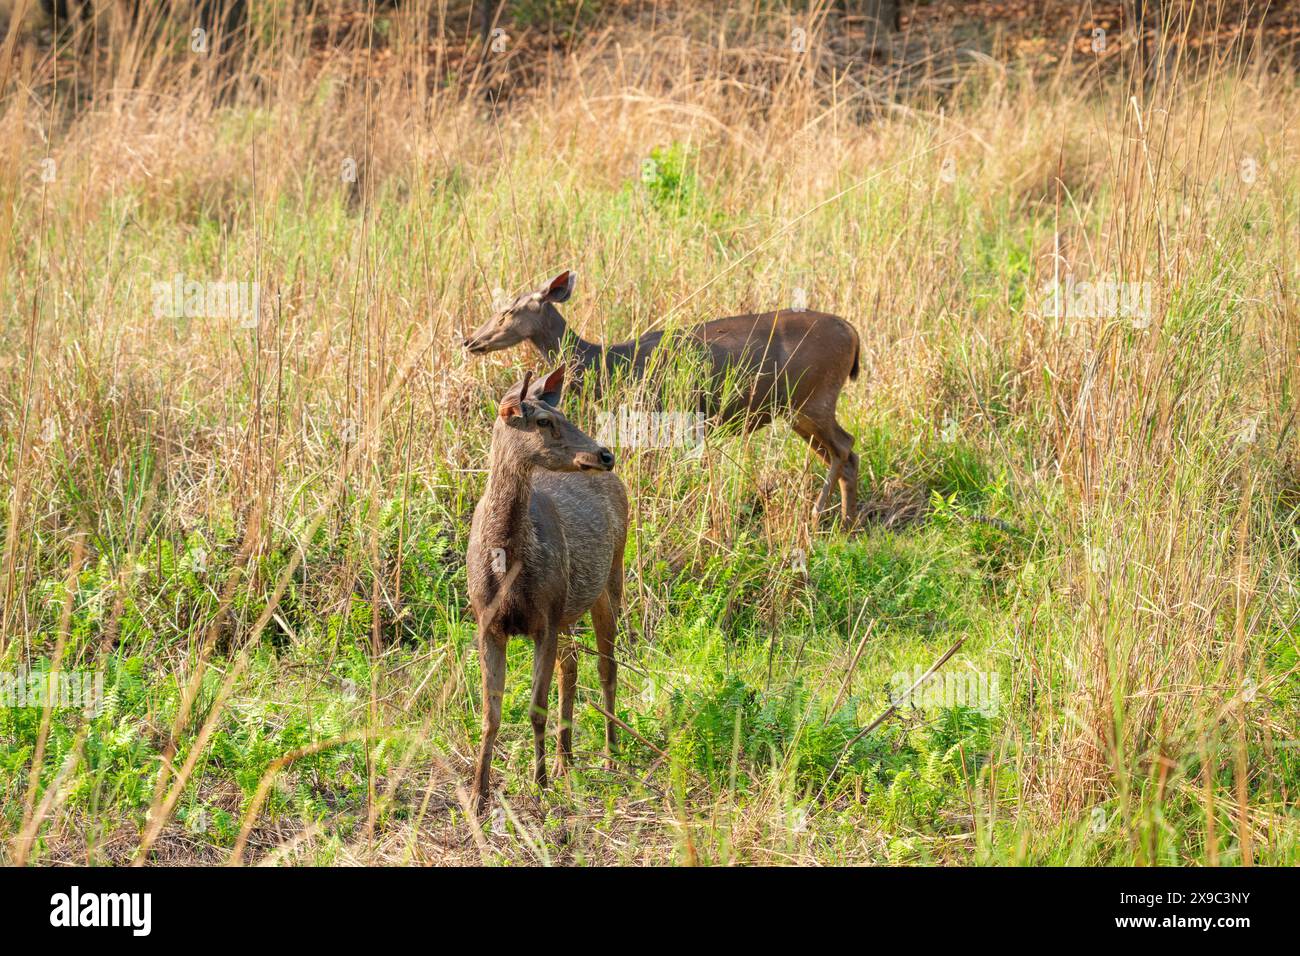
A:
x: 560, y: 288
x: 512, y: 401
x: 550, y: 388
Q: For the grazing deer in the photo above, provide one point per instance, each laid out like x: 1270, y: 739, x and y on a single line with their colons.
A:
x: 787, y: 362
x: 545, y: 547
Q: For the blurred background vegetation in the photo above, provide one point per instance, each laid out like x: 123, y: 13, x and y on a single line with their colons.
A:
x: 256, y: 530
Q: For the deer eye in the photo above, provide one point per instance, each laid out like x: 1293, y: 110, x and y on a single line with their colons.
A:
x: 543, y: 421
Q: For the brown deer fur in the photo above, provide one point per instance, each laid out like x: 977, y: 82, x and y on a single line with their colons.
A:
x: 791, y: 363
x: 546, y: 546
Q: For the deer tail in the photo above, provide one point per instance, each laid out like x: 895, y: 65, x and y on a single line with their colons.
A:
x: 857, y: 353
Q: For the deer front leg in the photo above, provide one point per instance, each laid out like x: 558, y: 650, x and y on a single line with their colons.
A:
x: 492, y: 664
x: 568, y: 658
x: 543, y: 669
x: 603, y: 623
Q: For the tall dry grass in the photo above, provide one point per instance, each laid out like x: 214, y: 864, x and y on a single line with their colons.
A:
x: 1143, y: 613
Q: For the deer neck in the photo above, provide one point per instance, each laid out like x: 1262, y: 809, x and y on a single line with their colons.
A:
x: 555, y: 337
x: 506, y: 522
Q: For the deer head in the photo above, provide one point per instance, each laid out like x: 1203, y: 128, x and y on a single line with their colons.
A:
x: 531, y: 315
x: 532, y: 431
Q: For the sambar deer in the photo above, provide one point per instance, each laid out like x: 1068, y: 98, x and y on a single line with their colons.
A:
x: 785, y: 362
x: 546, y: 546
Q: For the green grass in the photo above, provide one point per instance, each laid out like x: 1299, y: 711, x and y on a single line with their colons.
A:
x: 287, y: 507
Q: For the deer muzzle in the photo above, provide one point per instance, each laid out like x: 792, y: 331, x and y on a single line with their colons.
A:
x: 602, y: 460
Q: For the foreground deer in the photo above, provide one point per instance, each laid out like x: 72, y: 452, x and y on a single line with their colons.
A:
x: 785, y: 362
x: 545, y: 547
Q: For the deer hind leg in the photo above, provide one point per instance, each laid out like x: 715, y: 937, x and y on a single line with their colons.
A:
x: 822, y: 442
x: 835, y: 445
x: 544, y: 650
x: 568, y: 658
x: 848, y: 475
x: 832, y: 476
x: 605, y: 626
x: 492, y: 664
